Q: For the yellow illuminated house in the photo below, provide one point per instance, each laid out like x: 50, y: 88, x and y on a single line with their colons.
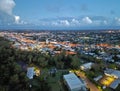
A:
x: 111, y: 78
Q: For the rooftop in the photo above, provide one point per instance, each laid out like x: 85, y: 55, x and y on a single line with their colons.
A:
x: 113, y: 72
x: 86, y: 66
x: 115, y: 84
x: 73, y: 81
x: 30, y: 72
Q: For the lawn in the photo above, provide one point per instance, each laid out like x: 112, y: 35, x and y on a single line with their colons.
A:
x: 55, y: 81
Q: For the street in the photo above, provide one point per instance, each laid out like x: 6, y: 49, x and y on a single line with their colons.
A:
x: 88, y: 82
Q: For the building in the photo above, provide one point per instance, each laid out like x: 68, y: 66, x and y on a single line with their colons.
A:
x: 116, y: 75
x: 74, y: 83
x: 30, y: 72
x: 86, y: 66
x: 47, y: 41
x: 98, y: 78
x: 112, y: 72
x: 37, y: 72
x: 115, y: 84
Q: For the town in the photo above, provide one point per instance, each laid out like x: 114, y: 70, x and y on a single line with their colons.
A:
x: 65, y: 60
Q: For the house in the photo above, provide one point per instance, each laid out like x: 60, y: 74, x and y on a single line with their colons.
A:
x: 30, y: 72
x: 115, y: 74
x: 74, y: 83
x: 112, y: 72
x: 86, y: 66
x: 115, y: 84
x: 37, y: 72
x: 98, y: 78
x: 118, y: 56
x: 118, y: 62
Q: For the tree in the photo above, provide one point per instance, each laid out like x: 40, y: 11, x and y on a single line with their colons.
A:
x: 67, y: 61
x: 30, y: 58
x: 39, y: 84
x: 10, y: 80
x: 112, y: 66
x: 42, y: 62
x: 75, y: 63
x: 17, y: 68
x: 14, y: 79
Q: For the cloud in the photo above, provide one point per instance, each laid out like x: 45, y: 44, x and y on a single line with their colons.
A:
x: 58, y: 23
x: 7, y: 6
x: 54, y: 23
x: 117, y: 20
x: 87, y: 20
x: 75, y: 21
x: 64, y: 22
x: 17, y: 19
x: 6, y: 13
x: 5, y: 18
x: 78, y: 22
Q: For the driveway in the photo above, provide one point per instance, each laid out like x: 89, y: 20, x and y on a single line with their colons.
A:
x: 88, y: 82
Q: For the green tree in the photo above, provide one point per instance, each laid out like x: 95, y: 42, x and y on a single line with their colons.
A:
x: 75, y: 62
x: 30, y: 58
x: 42, y: 62
x: 14, y: 79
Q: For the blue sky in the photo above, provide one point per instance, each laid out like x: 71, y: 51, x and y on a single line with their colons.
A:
x: 66, y: 8
x: 60, y: 14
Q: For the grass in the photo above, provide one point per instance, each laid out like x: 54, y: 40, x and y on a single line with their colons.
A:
x: 54, y: 82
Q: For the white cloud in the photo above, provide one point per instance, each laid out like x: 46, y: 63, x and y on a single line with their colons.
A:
x: 6, y: 13
x: 7, y: 6
x: 78, y: 21
x: 64, y: 22
x: 17, y: 19
x: 87, y: 20
x: 117, y: 20
x: 75, y: 21
x: 55, y: 23
x: 72, y: 22
x: 5, y: 18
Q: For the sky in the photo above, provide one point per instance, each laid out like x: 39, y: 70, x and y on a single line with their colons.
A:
x: 59, y: 14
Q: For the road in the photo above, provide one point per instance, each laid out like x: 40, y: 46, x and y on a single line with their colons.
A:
x: 88, y: 82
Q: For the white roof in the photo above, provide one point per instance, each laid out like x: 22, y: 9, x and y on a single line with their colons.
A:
x: 73, y: 81
x: 87, y: 65
x: 113, y: 72
x: 30, y: 72
x: 98, y: 78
